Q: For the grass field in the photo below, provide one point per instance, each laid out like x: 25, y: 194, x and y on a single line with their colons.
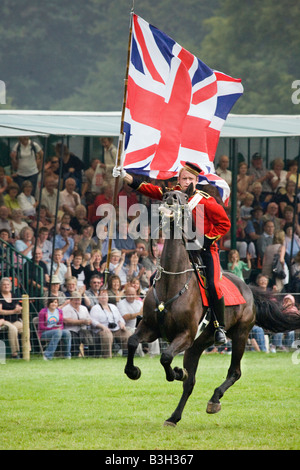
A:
x: 91, y: 404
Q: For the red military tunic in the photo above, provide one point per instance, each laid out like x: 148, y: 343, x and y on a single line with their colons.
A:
x: 216, y: 223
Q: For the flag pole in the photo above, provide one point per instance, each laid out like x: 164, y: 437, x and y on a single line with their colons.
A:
x: 120, y: 149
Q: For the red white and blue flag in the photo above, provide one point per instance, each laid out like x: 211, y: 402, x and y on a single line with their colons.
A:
x: 175, y: 107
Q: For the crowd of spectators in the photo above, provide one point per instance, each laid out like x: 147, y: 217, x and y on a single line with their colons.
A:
x: 56, y: 223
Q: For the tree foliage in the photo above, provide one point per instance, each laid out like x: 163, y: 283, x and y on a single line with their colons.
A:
x: 72, y: 55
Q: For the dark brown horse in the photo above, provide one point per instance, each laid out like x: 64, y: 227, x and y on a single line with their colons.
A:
x: 173, y: 310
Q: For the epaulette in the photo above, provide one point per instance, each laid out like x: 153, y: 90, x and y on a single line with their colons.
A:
x: 203, y: 193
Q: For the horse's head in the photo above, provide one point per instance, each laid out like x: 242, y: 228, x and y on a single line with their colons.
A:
x: 174, y: 201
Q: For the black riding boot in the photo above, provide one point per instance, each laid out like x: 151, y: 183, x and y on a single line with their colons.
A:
x: 219, y: 324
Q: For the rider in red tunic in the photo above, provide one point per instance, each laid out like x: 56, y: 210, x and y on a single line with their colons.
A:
x: 216, y: 224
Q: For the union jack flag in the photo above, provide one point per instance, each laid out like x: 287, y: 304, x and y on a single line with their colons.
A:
x: 175, y: 106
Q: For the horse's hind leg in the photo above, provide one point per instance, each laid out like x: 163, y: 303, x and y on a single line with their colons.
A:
x: 234, y: 372
x: 142, y: 334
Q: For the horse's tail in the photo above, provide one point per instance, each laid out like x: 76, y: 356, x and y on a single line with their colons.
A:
x: 269, y: 314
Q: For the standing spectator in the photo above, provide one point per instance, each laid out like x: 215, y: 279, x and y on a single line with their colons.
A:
x: 10, y: 312
x: 236, y: 266
x: 222, y: 169
x: 89, y: 187
x: 109, y: 324
x: 51, y: 327
x: 110, y: 154
x: 72, y: 166
x: 77, y: 320
x: 277, y: 247
x: 26, y: 158
x: 69, y: 198
x: 64, y: 241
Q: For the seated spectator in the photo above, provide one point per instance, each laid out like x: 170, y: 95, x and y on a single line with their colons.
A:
x: 236, y: 266
x: 292, y: 242
x: 77, y: 320
x: 51, y: 327
x: 10, y: 312
x: 59, y: 269
x: 282, y: 341
x: 55, y: 291
x: 243, y: 180
x: 77, y: 268
x: 272, y: 214
x: 106, y: 197
x: 52, y: 169
x: 108, y: 324
x: 10, y: 199
x: 288, y: 218
x: 259, y: 198
x: 124, y: 242
x: 25, y: 244
x: 286, y: 199
x: 292, y: 174
x: 130, y: 308
x: 17, y: 222
x: 116, y: 265
x: 69, y: 198
x: 222, y: 169
x: 131, y: 197
x: 115, y: 290
x: 262, y: 175
x: 4, y: 220
x: 26, y: 200
x: 64, y: 241
x: 26, y: 159
x: 246, y: 207
x: 133, y: 268
x: 277, y: 246
x: 254, y: 227
x: 102, y: 238
x: 278, y: 180
x: 92, y: 293
x: 137, y: 285
x: 79, y: 221
x: 44, y: 244
x: 95, y: 266
x: 49, y: 195
x: 44, y: 218
x: 4, y: 182
x: 266, y: 238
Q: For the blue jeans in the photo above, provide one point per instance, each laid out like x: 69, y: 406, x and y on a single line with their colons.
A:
x: 258, y: 334
x: 55, y: 336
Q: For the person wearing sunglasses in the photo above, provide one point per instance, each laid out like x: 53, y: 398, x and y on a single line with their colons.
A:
x: 64, y: 241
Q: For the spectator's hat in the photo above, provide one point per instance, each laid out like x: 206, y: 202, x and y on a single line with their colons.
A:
x: 55, y: 280
x: 256, y: 156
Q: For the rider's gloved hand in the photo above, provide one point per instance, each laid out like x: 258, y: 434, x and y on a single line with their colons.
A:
x: 119, y: 171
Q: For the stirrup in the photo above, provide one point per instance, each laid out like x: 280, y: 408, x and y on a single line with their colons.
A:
x: 220, y: 336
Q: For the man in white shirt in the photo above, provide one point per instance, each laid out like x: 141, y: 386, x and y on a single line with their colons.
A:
x: 69, y: 199
x: 49, y: 194
x: 222, y: 169
x: 77, y: 320
x: 130, y: 308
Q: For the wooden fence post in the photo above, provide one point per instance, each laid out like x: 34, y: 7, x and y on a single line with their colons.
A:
x: 26, y: 329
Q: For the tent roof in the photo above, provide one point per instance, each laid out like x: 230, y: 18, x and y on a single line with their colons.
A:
x: 14, y: 123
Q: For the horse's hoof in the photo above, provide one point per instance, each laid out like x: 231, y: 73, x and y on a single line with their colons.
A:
x: 133, y: 374
x: 170, y: 423
x: 213, y: 408
x: 181, y: 374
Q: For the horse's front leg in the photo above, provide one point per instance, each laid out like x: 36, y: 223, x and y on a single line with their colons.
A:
x: 179, y: 344
x: 143, y: 333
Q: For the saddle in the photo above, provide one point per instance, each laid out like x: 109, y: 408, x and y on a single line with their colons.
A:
x: 232, y: 295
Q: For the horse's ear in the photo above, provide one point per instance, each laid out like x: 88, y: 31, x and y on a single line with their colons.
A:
x: 190, y: 189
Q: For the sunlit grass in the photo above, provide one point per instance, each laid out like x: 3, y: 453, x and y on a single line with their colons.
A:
x: 91, y: 404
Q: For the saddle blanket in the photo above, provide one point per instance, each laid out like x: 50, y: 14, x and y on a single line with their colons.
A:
x: 232, y: 295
